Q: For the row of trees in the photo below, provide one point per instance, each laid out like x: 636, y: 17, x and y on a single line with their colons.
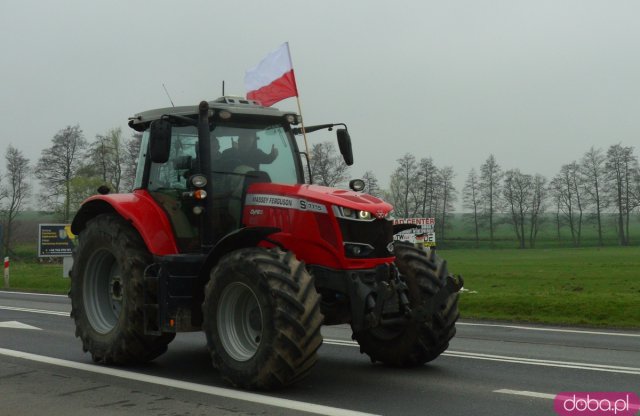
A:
x: 581, y: 192
x: 600, y: 183
x: 69, y: 171
x: 73, y: 168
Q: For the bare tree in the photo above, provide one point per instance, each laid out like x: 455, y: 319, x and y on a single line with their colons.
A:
x: 490, y: 180
x: 538, y: 205
x: 371, y: 186
x: 593, y: 171
x: 16, y: 190
x: 449, y: 196
x: 556, y: 191
x: 471, y: 199
x: 517, y: 193
x: 327, y: 166
x: 107, y: 154
x: 621, y: 166
x: 402, y: 187
x: 568, y: 187
x: 130, y: 161
x: 58, y: 166
x: 635, y: 190
x: 426, y: 182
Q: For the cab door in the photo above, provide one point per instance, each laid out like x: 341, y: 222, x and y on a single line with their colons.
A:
x: 168, y: 185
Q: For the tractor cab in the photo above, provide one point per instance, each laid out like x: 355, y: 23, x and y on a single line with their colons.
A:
x: 197, y: 165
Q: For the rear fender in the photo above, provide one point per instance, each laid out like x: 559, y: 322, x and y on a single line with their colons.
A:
x: 139, y: 209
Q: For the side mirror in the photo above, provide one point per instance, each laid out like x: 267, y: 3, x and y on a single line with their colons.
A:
x: 159, y: 141
x: 344, y: 143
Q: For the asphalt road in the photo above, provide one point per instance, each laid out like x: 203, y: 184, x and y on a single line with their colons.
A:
x: 489, y: 369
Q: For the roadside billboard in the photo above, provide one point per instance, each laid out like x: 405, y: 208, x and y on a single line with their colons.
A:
x: 424, y: 233
x: 55, y: 240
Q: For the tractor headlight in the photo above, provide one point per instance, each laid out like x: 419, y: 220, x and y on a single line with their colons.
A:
x: 364, y: 215
x: 352, y: 214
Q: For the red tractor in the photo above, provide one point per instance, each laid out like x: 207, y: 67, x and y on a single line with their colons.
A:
x: 224, y: 234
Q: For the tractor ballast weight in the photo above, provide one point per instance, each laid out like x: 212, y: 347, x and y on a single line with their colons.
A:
x: 223, y: 234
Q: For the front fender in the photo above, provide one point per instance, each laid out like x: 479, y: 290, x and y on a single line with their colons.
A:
x: 241, y: 238
x: 141, y: 210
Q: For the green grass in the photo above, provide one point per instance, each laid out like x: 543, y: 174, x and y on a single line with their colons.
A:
x: 35, y: 277
x: 460, y: 233
x: 585, y: 286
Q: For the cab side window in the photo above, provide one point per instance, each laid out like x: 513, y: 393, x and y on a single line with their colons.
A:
x: 174, y: 173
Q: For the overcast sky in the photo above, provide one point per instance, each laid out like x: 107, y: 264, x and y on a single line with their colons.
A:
x: 536, y: 83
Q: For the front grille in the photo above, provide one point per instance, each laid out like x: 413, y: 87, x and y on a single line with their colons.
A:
x: 377, y: 233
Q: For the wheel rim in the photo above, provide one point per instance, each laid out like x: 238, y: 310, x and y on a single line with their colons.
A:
x: 239, y: 321
x: 103, y: 291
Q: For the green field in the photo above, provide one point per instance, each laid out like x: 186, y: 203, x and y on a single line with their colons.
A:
x: 460, y: 233
x: 584, y: 286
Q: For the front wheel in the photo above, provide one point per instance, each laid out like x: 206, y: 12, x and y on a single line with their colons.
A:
x: 433, y: 296
x: 262, y: 318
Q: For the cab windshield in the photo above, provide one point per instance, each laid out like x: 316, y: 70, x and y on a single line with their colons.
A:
x: 261, y: 148
x: 235, y: 150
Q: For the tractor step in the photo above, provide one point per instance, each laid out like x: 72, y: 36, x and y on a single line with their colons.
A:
x: 170, y: 288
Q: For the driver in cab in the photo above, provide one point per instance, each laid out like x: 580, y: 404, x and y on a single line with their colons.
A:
x: 246, y: 152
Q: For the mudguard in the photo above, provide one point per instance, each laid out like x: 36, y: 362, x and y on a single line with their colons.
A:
x: 139, y: 209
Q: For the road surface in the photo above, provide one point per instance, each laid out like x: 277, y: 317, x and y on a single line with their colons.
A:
x: 489, y: 369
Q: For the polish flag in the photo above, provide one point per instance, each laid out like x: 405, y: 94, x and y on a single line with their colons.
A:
x: 272, y: 79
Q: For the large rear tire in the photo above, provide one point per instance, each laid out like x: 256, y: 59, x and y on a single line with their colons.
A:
x: 107, y: 293
x: 262, y: 318
x: 419, y: 340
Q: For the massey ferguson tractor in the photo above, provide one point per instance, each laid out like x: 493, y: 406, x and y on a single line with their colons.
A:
x: 224, y: 233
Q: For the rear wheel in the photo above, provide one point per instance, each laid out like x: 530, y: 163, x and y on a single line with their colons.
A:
x: 106, y: 293
x: 262, y: 318
x: 427, y: 335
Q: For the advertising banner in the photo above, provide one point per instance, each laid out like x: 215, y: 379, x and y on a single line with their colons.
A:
x: 424, y: 232
x: 55, y: 240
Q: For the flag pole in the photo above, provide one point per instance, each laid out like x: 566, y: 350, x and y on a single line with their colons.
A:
x: 304, y: 133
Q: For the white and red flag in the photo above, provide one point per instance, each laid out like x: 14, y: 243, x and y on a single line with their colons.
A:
x: 272, y: 79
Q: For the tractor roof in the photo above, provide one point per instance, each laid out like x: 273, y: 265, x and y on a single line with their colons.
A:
x: 235, y: 105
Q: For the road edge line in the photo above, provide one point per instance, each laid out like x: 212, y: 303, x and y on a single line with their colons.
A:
x: 185, y: 385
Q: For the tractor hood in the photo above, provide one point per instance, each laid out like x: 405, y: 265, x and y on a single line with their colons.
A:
x: 326, y: 196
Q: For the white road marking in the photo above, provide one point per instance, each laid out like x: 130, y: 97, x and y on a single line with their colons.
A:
x: 518, y: 360
x: 42, y: 311
x: 184, y: 385
x: 9, y: 292
x: 520, y: 327
x: 570, y: 331
x: 461, y: 354
x: 526, y: 393
x: 17, y: 325
x: 545, y: 363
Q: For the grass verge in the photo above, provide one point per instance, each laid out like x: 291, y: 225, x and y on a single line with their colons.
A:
x: 39, y: 278
x: 583, y: 286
